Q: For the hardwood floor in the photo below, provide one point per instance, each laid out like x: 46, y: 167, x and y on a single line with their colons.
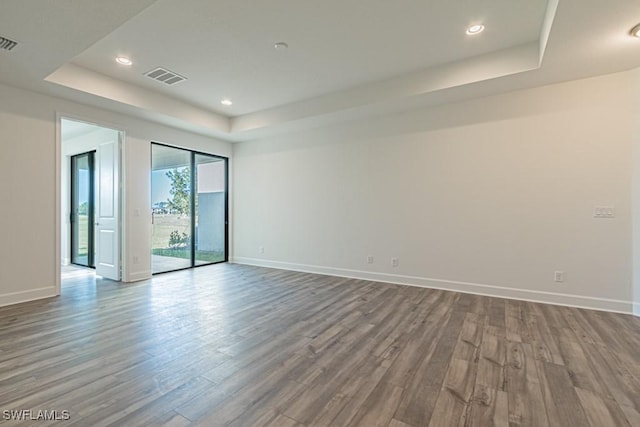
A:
x: 246, y: 346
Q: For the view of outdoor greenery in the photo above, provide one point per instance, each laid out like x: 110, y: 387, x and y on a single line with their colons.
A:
x: 83, y: 235
x: 172, y: 221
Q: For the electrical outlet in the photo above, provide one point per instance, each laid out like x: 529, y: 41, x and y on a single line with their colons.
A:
x: 394, y: 262
x: 370, y: 259
x: 261, y: 249
x: 136, y: 260
x: 558, y: 276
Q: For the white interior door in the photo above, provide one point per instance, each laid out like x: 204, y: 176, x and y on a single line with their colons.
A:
x: 108, y: 210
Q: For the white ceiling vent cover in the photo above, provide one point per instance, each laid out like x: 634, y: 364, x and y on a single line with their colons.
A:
x: 165, y: 76
x: 7, y: 44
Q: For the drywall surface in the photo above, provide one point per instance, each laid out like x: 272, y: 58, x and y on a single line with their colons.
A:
x: 489, y: 196
x: 635, y: 195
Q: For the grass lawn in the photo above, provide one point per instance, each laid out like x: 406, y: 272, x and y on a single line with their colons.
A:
x: 83, y: 235
x: 163, y: 225
x: 206, y: 256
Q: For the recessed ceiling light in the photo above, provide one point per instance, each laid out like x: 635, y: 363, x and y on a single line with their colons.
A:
x: 635, y: 31
x: 280, y: 46
x: 226, y: 102
x: 475, y: 29
x: 123, y: 60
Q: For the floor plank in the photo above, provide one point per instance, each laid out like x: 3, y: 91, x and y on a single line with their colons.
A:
x: 233, y: 345
x: 526, y: 402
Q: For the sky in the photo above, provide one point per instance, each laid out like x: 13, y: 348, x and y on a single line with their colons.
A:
x: 83, y: 188
x: 160, y: 186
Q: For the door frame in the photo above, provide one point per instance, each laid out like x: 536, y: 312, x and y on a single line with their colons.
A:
x: 91, y: 156
x: 58, y: 187
x: 192, y: 153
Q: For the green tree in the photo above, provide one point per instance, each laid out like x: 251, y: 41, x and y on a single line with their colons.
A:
x: 180, y: 201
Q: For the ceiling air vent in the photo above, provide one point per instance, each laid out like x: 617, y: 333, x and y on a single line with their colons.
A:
x: 7, y: 44
x: 165, y: 76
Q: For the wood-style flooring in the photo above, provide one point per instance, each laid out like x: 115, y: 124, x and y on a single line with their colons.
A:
x: 246, y: 346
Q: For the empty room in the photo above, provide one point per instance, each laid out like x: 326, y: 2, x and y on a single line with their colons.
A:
x: 294, y: 213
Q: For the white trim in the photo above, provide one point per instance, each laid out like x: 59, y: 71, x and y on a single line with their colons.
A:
x: 87, y: 120
x: 25, y: 296
x: 636, y: 309
x: 230, y: 200
x: 136, y: 277
x: 569, y: 300
x: 57, y: 250
x: 125, y: 275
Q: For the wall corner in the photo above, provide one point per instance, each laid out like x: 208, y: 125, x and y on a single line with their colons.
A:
x: 635, y: 189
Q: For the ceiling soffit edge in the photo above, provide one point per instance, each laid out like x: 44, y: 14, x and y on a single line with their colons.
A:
x: 519, y: 59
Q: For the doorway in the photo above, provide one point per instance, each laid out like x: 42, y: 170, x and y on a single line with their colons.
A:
x: 82, y: 209
x: 189, y: 208
x: 90, y: 201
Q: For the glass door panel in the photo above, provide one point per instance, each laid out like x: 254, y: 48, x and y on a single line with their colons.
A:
x: 211, y: 206
x: 82, y: 209
x: 171, y: 208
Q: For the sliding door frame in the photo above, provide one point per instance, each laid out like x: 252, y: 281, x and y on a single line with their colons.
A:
x: 192, y: 197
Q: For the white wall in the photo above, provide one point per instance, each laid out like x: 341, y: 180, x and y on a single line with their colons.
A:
x: 635, y: 95
x: 30, y: 212
x: 488, y: 196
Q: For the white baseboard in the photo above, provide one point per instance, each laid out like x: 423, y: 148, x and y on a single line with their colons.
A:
x: 604, y: 304
x: 136, y: 277
x: 24, y: 296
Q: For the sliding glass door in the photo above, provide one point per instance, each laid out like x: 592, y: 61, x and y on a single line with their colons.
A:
x: 171, y: 208
x: 82, y: 209
x: 189, y: 208
x: 210, y: 201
